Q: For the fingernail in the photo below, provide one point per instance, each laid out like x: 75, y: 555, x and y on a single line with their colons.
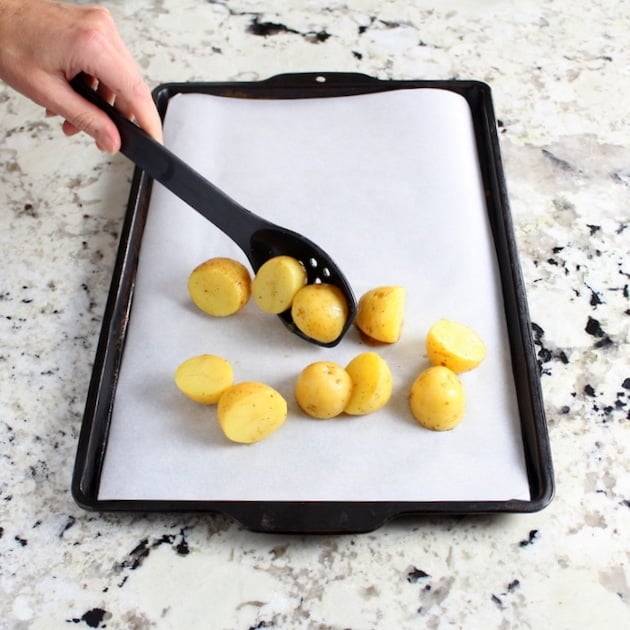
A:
x: 101, y: 147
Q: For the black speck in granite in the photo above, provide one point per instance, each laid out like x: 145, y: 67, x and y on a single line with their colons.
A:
x: 318, y: 37
x: 594, y: 328
x: 142, y: 550
x: 182, y: 547
x: 70, y: 521
x: 136, y: 555
x: 496, y: 600
x: 265, y: 29
x: 513, y: 585
x: 595, y: 300
x: 93, y: 618
x: 533, y: 534
x: 363, y: 28
x: 390, y: 23
x: 545, y: 354
x: 22, y: 541
x: 28, y: 210
x: 416, y: 574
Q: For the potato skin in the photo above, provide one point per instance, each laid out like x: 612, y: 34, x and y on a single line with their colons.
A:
x: 323, y: 389
x: 380, y: 313
x: 220, y: 286
x: 204, y: 378
x: 320, y: 311
x: 250, y: 411
x: 276, y: 283
x: 372, y: 384
x: 437, y: 399
x: 454, y: 345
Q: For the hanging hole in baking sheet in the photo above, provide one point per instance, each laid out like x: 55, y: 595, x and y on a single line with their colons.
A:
x: 320, y: 78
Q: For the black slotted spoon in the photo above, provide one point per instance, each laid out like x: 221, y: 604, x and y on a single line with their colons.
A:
x: 259, y: 239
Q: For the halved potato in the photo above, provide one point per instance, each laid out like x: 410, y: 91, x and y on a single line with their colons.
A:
x: 250, y: 411
x: 455, y: 346
x: 322, y: 389
x: 372, y: 384
x: 437, y: 399
x: 320, y: 311
x: 220, y: 286
x: 276, y: 283
x: 204, y: 378
x: 380, y: 313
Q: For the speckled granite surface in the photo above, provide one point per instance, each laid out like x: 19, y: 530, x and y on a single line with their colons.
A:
x: 560, y: 80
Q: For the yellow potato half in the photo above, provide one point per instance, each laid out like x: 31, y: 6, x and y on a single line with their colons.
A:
x: 320, y: 311
x: 437, y: 399
x: 220, y: 286
x: 380, y: 313
x: 276, y: 283
x: 250, y: 411
x: 372, y: 384
x: 322, y: 389
x: 454, y: 346
x: 204, y: 378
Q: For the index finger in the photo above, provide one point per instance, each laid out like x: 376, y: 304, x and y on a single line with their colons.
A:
x: 110, y: 62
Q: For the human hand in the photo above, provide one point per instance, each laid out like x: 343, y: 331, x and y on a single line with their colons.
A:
x: 44, y: 44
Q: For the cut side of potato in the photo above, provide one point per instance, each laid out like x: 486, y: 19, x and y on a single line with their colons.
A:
x: 250, y: 411
x: 276, y: 283
x: 320, y: 311
x: 322, y: 389
x: 372, y: 384
x: 204, y: 378
x: 220, y: 286
x: 437, y: 399
x: 454, y: 346
x: 380, y: 313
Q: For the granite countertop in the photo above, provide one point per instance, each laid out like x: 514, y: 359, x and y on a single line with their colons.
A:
x: 559, y: 76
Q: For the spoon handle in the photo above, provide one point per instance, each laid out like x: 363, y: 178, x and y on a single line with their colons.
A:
x: 165, y: 167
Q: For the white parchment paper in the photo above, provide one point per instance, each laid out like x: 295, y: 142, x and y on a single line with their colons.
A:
x: 389, y: 184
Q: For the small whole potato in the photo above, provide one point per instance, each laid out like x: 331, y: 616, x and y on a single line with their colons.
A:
x: 437, y: 399
x: 204, y: 378
x: 220, y: 286
x: 323, y: 389
x: 250, y: 411
x: 380, y: 313
x: 454, y: 345
x: 320, y: 311
x: 276, y: 283
x: 372, y: 384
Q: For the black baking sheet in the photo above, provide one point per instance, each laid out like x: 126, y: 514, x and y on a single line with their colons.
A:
x: 298, y: 514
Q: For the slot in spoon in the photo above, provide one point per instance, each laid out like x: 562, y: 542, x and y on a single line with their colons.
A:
x: 259, y: 239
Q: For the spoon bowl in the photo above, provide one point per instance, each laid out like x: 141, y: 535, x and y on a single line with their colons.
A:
x: 259, y: 239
